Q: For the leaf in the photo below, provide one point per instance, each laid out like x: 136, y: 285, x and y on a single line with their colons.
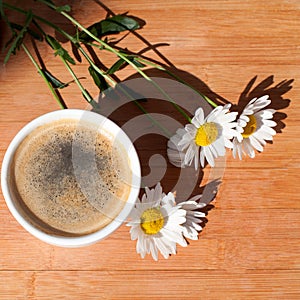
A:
x: 66, y: 8
x: 120, y: 64
x: 56, y: 83
x: 98, y: 79
x: 59, y: 50
x: 116, y: 66
x: 137, y: 62
x: 19, y: 39
x: 112, y: 25
x: 34, y: 34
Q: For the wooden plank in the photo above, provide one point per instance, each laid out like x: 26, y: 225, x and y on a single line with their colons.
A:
x: 253, y: 284
x: 250, y: 245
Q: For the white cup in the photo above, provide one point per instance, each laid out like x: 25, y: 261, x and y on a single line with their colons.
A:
x: 12, y: 200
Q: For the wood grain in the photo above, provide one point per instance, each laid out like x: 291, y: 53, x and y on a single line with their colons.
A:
x: 250, y: 245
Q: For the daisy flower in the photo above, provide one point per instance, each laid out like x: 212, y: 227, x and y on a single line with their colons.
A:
x: 209, y: 136
x: 156, y: 224
x: 193, y: 217
x: 254, y: 128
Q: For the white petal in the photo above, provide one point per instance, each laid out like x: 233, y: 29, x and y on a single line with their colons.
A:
x: 220, y: 147
x: 212, y: 116
x: 255, y: 143
x: 208, y: 155
x: 237, y: 148
x: 149, y: 195
x: 268, y: 130
x: 228, y: 118
x: 262, y: 136
x: 248, y: 148
x: 190, y: 233
x: 158, y: 192
x: 176, y: 158
x: 134, y: 232
x: 154, y: 251
x: 266, y: 113
x: 269, y: 123
x: 169, y: 245
x: 140, y: 247
x: 198, y: 119
x: 189, y: 155
x: 174, y: 236
x: 191, y: 129
x: 162, y: 248
x: 202, y: 157
x: 261, y: 103
x: 185, y: 142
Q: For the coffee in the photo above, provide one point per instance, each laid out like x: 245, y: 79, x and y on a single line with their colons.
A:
x: 71, y: 178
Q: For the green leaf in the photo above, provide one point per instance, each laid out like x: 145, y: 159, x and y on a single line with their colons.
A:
x: 56, y: 83
x: 59, y: 50
x: 120, y: 64
x: 136, y: 62
x: 98, y: 79
x: 116, y: 66
x: 34, y: 34
x: 112, y: 25
x: 66, y: 8
x: 19, y: 39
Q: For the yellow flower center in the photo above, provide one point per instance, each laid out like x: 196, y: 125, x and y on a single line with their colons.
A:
x: 152, y: 221
x: 206, y: 134
x: 250, y: 127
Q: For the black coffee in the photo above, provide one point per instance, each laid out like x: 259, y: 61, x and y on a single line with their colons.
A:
x: 71, y: 178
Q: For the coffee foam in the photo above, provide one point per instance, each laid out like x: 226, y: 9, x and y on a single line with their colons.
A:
x: 71, y: 178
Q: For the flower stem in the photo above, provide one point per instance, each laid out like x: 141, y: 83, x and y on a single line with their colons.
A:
x: 121, y: 55
x: 40, y: 71
x: 106, y: 76
x: 114, y: 83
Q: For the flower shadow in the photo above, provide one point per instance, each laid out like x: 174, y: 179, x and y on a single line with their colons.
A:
x: 276, y: 94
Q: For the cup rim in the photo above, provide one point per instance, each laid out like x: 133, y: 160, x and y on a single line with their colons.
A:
x: 83, y: 240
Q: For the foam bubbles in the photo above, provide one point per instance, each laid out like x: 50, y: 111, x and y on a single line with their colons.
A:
x: 72, y: 179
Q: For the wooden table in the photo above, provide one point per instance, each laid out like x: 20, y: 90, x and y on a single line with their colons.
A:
x: 250, y: 246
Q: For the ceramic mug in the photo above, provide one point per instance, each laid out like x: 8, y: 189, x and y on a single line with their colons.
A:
x: 14, y: 201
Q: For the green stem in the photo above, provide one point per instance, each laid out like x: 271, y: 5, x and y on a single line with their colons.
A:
x: 106, y: 76
x: 40, y: 71
x: 119, y: 54
x: 37, y: 17
x: 114, y: 83
x: 82, y: 89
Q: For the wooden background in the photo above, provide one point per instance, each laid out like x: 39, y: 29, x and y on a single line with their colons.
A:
x: 250, y: 246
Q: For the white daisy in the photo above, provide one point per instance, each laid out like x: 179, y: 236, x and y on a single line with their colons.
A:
x: 210, y: 135
x: 254, y: 128
x: 193, y: 217
x: 156, y: 224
